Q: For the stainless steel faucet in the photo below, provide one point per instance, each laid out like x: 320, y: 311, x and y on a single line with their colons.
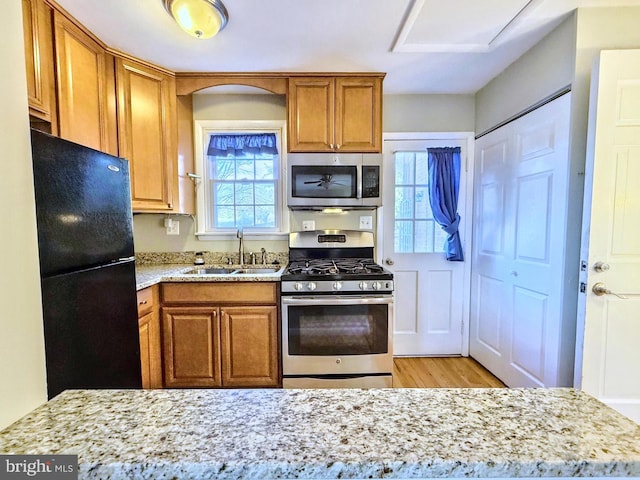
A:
x: 264, y: 256
x: 240, y: 235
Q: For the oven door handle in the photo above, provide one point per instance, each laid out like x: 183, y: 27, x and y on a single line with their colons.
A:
x: 339, y: 300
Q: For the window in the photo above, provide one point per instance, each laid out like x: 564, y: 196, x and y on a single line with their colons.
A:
x: 240, y: 182
x: 415, y: 230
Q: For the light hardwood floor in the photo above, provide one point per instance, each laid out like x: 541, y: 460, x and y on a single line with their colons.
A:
x: 448, y: 372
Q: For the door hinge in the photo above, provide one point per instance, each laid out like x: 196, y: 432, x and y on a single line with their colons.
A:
x: 583, y: 287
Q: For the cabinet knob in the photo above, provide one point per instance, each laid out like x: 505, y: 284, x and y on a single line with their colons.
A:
x: 143, y: 303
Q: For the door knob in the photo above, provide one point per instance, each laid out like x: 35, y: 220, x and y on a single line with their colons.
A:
x: 601, y: 267
x: 388, y: 261
x: 600, y: 289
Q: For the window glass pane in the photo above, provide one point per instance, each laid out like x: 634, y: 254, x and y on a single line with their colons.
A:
x: 404, y: 202
x: 421, y: 241
x: 439, y: 238
x: 403, y: 236
x: 223, y: 194
x: 224, y: 217
x: 244, y: 216
x: 244, y: 193
x: 422, y: 203
x: 265, y: 216
x: 265, y: 170
x: 224, y: 168
x: 422, y: 168
x: 404, y: 162
x: 265, y: 194
x: 244, y: 169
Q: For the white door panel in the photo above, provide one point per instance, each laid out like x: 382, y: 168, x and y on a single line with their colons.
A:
x: 518, y: 257
x: 607, y: 365
x: 431, y: 294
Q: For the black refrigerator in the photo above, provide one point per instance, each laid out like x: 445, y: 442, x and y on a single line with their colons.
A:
x: 87, y: 268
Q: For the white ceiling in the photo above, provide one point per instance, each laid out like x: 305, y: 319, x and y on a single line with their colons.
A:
x: 424, y: 46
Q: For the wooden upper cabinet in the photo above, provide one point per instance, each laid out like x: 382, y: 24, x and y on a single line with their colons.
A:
x: 147, y: 133
x: 358, y: 114
x: 85, y: 88
x: 335, y: 114
x: 36, y: 21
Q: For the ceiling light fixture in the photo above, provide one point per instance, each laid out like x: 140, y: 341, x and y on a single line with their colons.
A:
x: 199, y: 18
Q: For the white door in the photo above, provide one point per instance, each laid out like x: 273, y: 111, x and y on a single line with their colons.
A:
x: 430, y: 292
x: 518, y: 249
x: 611, y: 237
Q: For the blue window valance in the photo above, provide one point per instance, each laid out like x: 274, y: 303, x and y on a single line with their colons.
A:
x: 223, y: 145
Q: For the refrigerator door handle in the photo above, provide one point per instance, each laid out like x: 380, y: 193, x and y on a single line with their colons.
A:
x: 126, y: 259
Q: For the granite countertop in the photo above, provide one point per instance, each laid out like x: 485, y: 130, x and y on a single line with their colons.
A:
x: 150, y: 274
x: 347, y: 433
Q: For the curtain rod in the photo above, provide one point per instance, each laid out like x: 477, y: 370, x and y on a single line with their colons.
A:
x: 527, y: 110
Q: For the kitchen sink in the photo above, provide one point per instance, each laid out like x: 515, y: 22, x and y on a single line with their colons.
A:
x: 211, y: 271
x: 256, y: 270
x: 229, y: 271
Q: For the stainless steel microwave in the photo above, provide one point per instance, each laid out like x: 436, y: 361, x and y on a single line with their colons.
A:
x: 317, y: 180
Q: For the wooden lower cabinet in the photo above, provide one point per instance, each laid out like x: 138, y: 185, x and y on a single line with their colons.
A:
x: 250, y: 343
x: 149, y: 332
x: 191, y: 346
x: 209, y: 343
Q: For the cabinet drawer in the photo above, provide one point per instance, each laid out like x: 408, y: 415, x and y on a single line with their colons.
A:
x: 252, y: 293
x: 145, y: 301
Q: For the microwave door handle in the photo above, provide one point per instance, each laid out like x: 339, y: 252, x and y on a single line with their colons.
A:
x: 359, y: 181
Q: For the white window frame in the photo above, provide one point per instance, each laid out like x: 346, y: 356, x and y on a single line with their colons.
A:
x: 202, y: 130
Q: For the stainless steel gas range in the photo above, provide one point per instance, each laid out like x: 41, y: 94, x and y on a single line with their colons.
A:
x: 337, y: 312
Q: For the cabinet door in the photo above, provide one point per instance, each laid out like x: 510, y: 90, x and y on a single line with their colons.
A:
x: 191, y: 346
x: 311, y: 114
x: 358, y: 125
x: 147, y: 132
x: 84, y: 88
x: 149, y: 330
x: 250, y: 347
x: 36, y: 21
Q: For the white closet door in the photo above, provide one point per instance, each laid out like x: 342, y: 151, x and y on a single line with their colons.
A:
x: 518, y: 254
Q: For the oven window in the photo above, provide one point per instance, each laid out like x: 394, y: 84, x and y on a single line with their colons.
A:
x: 311, y: 181
x: 338, y: 330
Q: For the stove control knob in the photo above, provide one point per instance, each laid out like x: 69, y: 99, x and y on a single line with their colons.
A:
x: 375, y: 285
x: 363, y: 285
x: 337, y: 286
x: 311, y: 286
x: 297, y: 286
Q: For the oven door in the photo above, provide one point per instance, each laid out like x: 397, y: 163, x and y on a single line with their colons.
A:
x: 337, y: 335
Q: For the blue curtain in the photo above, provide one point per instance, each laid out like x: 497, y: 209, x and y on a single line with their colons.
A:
x: 223, y: 145
x: 444, y: 185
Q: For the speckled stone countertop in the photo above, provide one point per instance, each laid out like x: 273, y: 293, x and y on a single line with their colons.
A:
x: 348, y: 433
x: 150, y: 274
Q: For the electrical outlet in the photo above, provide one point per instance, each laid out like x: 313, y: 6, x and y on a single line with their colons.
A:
x: 308, y: 225
x: 173, y: 228
x: 366, y: 222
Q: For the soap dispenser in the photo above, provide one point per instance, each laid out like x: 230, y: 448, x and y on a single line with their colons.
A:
x: 199, y: 260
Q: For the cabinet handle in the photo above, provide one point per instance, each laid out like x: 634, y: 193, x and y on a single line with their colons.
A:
x: 170, y: 205
x: 143, y: 303
x: 331, y: 146
x: 338, y: 146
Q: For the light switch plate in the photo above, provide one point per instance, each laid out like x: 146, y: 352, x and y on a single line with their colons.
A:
x: 366, y: 222
x: 308, y: 225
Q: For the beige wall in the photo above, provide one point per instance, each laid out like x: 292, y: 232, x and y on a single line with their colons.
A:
x: 546, y: 68
x: 22, y: 366
x: 428, y: 113
x: 239, y: 107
